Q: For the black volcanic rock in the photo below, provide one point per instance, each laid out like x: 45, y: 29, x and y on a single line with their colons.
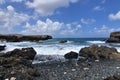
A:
x: 71, y: 55
x: 17, y: 64
x: 114, y: 37
x: 63, y: 41
x: 2, y: 47
x: 99, y: 52
x: 25, y: 53
x: 18, y: 37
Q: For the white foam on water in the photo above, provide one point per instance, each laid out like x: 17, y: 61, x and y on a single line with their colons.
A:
x: 44, y: 49
x: 96, y: 42
x: 56, y: 50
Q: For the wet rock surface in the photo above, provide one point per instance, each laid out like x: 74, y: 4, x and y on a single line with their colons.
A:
x: 19, y: 37
x: 17, y: 65
x: 114, y: 37
x: 99, y: 52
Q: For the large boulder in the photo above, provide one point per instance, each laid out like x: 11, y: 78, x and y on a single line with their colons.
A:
x: 71, y: 55
x: 2, y: 47
x: 99, y: 52
x: 25, y: 53
x: 19, y: 37
x: 17, y: 64
x: 114, y: 37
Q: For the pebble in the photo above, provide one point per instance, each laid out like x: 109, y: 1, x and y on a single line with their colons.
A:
x: 12, y: 72
x: 86, y: 68
x: 6, y: 79
x: 117, y: 67
x: 12, y: 78
x: 65, y: 73
x: 73, y: 69
x: 96, y: 60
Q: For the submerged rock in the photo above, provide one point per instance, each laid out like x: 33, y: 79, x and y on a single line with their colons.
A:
x: 71, y: 55
x: 114, y: 37
x: 18, y: 37
x: 99, y: 52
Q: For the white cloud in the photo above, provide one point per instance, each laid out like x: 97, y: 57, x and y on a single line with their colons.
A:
x: 98, y: 8
x: 87, y: 21
x: 48, y: 7
x: 9, y: 18
x: 50, y: 27
x: 104, y: 30
x: 114, y: 16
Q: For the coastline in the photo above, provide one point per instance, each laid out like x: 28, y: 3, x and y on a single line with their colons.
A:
x: 98, y: 61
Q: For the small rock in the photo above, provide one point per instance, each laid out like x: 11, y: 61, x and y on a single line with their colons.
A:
x: 12, y: 72
x: 6, y: 79
x: 96, y: 60
x: 73, y: 69
x: 117, y: 67
x: 12, y: 78
x: 65, y: 73
x: 86, y: 68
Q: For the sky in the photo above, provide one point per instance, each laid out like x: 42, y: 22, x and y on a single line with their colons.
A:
x: 60, y: 18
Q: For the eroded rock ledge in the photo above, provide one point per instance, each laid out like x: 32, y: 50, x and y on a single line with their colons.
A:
x: 114, y: 37
x: 19, y: 37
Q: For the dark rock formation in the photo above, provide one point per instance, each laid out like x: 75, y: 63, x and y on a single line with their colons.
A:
x: 114, y: 37
x: 114, y: 77
x: 17, y: 64
x: 63, y: 41
x: 18, y: 37
x: 2, y: 47
x: 25, y: 53
x: 99, y: 52
x: 71, y: 55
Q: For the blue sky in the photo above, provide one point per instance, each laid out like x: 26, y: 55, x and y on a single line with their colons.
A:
x: 60, y: 18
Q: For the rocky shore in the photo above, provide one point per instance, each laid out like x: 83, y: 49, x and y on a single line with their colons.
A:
x: 99, y: 63
x: 19, y: 37
x: 17, y: 65
x: 91, y: 63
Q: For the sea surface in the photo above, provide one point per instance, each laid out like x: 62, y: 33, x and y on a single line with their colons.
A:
x: 53, y: 47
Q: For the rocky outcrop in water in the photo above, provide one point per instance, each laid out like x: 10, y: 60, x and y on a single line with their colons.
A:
x: 17, y: 65
x: 99, y: 52
x: 18, y: 37
x: 63, y: 41
x: 2, y: 47
x: 114, y: 37
x: 71, y: 55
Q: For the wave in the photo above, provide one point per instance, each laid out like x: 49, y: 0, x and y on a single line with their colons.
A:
x: 96, y: 42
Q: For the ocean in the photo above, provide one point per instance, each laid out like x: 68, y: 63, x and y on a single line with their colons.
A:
x: 53, y: 47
